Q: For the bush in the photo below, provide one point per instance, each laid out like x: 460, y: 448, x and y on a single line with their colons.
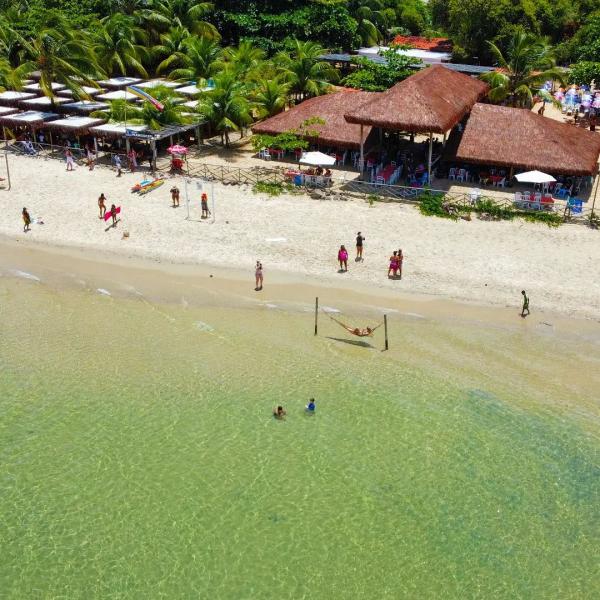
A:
x: 272, y: 188
x: 434, y: 204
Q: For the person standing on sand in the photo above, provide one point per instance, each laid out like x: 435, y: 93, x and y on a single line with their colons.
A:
x: 400, y: 261
x: 175, y: 196
x: 204, y: 202
x: 91, y: 157
x: 258, y: 274
x: 118, y: 165
x: 102, y: 205
x: 393, y: 266
x: 343, y: 258
x: 69, y: 157
x: 525, y: 304
x: 359, y: 246
x: 113, y: 214
x: 26, y: 220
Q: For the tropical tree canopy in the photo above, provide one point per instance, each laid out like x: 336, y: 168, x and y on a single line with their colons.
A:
x: 527, y: 65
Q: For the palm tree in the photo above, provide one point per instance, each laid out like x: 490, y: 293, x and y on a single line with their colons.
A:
x: 172, y: 113
x: 173, y: 47
x: 200, y: 61
x: 117, y: 45
x: 226, y: 107
x: 186, y: 14
x: 120, y: 111
x: 11, y: 42
x: 243, y: 59
x: 372, y: 18
x: 62, y: 56
x: 270, y: 97
x: 528, y: 64
x: 304, y: 71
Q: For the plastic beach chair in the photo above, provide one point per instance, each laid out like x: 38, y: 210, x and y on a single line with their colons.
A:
x: 575, y: 205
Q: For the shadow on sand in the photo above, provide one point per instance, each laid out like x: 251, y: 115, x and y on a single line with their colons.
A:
x: 351, y: 342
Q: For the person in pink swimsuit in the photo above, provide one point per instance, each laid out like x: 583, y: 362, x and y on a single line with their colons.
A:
x: 343, y: 258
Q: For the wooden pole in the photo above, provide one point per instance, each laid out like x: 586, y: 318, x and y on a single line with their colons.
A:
x: 385, y: 327
x: 316, y: 313
x: 429, y: 159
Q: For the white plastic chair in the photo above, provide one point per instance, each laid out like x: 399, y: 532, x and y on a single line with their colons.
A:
x: 501, y: 183
x: 461, y: 175
x: 266, y: 154
x: 452, y: 173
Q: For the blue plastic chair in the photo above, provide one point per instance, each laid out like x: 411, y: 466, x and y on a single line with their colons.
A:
x: 575, y: 205
x: 563, y: 192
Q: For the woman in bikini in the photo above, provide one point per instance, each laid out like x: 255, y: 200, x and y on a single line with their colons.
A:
x: 343, y: 258
x: 258, y: 273
x: 102, y: 206
x: 393, y: 268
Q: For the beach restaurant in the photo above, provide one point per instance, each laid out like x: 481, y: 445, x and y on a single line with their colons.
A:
x: 520, y: 140
x: 333, y: 132
x: 433, y: 101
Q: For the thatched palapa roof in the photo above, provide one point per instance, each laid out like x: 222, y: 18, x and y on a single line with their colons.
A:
x: 515, y: 137
x: 336, y: 131
x: 433, y: 100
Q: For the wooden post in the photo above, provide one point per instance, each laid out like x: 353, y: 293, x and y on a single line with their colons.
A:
x: 429, y: 159
x: 386, y: 331
x: 362, y: 151
x: 316, y: 313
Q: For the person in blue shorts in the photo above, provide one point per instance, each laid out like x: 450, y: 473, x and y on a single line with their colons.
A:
x: 310, y: 407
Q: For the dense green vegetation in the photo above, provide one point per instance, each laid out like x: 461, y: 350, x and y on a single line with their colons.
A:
x: 265, y: 54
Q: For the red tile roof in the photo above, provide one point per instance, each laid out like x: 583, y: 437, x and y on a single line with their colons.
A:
x: 421, y: 43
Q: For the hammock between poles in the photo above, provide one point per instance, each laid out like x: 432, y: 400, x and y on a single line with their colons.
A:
x: 366, y: 332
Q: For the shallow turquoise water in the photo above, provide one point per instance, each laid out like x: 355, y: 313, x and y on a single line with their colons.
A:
x: 139, y: 459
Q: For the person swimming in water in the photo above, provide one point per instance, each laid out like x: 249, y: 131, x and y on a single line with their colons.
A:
x: 310, y: 407
x: 279, y: 412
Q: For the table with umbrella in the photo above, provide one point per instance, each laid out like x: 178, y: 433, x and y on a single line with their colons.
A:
x: 532, y: 199
x: 315, y: 159
x: 178, y: 154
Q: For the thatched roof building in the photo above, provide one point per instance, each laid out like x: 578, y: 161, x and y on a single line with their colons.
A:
x: 433, y: 100
x: 514, y: 137
x: 336, y: 131
x: 31, y: 120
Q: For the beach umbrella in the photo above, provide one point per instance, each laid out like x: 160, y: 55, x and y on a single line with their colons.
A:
x: 534, y: 177
x: 317, y: 159
x: 177, y: 149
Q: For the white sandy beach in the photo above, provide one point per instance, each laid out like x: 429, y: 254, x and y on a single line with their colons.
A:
x: 478, y: 261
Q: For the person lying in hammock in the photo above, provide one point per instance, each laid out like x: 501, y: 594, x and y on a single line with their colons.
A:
x: 360, y: 332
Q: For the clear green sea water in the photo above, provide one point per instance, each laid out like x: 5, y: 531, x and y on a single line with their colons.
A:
x: 139, y: 458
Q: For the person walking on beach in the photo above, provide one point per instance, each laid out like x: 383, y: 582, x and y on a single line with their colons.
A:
x: 359, y: 246
x: 204, y: 202
x: 118, y: 165
x: 393, y: 266
x: 69, y: 157
x: 525, y: 304
x: 343, y: 259
x: 175, y: 196
x: 400, y: 261
x: 113, y: 214
x: 102, y: 205
x: 26, y: 220
x: 132, y: 160
x: 91, y: 157
x: 258, y: 273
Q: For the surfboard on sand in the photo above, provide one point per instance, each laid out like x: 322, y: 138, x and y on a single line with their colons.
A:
x: 108, y: 213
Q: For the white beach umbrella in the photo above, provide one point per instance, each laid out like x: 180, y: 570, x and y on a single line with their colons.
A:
x: 317, y: 159
x: 534, y: 177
